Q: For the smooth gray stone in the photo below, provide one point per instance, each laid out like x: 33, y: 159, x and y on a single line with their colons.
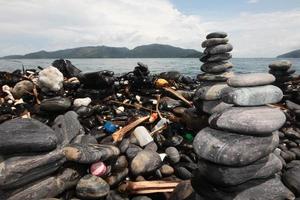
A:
x: 253, y: 79
x: 232, y: 149
x: 211, y: 107
x: 252, y: 96
x: 215, y: 77
x: 216, y: 67
x: 264, y: 189
x: 215, y: 57
x: 226, y: 175
x: 26, y: 135
x: 282, y: 65
x: 218, y: 49
x: 56, y: 104
x: 249, y: 120
x: 92, y: 187
x: 219, y: 34
x: 210, y: 91
x: 291, y: 176
x: 145, y: 162
x: 213, y: 42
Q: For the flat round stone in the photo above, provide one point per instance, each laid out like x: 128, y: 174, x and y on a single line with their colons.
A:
x: 215, y: 77
x: 253, y: 79
x: 280, y: 65
x: 252, y: 96
x: 210, y: 91
x: 232, y: 149
x: 213, y: 42
x: 216, y: 67
x: 218, y: 49
x: 92, y: 187
x: 215, y: 57
x: 227, y: 175
x: 219, y: 34
x: 249, y: 120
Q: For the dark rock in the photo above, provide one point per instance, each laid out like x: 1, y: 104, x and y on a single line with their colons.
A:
x: 214, y: 42
x: 120, y: 164
x: 141, y: 198
x: 172, y: 155
x: 253, y: 79
x: 249, y: 120
x: 215, y: 77
x: 215, y: 57
x: 216, y: 67
x: 20, y: 170
x: 67, y: 127
x: 26, y: 135
x: 56, y: 104
x: 84, y: 139
x: 97, y: 80
x: 168, y: 104
x: 280, y: 65
x: 166, y: 170
x: 141, y: 70
x: 117, y: 177
x: 296, y: 151
x: 48, y: 187
x: 232, y: 149
x: 287, y: 155
x: 225, y: 175
x: 92, y: 187
x: 132, y: 151
x: 193, y: 120
x: 252, y: 96
x: 124, y: 145
x: 22, y: 88
x: 183, y: 173
x: 88, y: 154
x: 144, y: 162
x: 219, y: 34
x: 218, y: 49
x: 282, y: 73
x: 66, y: 68
x: 291, y: 177
x: 152, y: 146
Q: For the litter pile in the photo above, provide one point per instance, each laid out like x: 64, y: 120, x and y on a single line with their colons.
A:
x: 68, y: 134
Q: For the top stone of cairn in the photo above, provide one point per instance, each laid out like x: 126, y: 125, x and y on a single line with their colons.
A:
x: 216, y: 35
x: 280, y: 65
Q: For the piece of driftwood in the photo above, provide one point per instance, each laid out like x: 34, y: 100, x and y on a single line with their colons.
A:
x: 20, y: 170
x: 178, y: 95
x: 148, y: 187
x: 118, y: 135
x: 47, y: 187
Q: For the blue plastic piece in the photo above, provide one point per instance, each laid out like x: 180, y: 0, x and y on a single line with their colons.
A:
x: 109, y: 127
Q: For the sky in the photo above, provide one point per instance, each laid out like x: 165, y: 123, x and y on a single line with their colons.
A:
x: 256, y: 28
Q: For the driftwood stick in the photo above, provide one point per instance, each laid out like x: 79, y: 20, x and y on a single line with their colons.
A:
x: 118, y: 135
x: 179, y: 96
x: 147, y: 187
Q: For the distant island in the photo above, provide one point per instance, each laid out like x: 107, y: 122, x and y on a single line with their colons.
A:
x: 291, y: 54
x: 144, y: 51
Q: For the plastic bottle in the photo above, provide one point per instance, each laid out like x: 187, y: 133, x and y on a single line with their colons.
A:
x: 142, y: 135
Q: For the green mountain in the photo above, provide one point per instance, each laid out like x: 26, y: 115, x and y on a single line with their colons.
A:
x: 145, y: 51
x: 291, y: 54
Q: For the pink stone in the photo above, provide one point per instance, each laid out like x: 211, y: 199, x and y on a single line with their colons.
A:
x: 98, y: 168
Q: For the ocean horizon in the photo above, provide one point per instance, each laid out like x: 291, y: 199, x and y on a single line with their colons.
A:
x: 187, y: 66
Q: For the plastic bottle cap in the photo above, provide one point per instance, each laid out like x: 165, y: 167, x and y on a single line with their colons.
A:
x: 109, y: 127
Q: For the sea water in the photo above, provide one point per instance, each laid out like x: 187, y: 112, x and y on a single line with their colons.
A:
x: 187, y: 66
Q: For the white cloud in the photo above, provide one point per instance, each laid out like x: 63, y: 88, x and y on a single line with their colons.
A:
x: 33, y: 25
x: 253, y: 1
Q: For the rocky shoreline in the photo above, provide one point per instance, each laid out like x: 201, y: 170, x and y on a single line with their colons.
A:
x: 66, y: 134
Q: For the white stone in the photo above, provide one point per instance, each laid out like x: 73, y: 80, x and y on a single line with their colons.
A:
x: 82, y: 102
x: 50, y: 79
x: 120, y: 110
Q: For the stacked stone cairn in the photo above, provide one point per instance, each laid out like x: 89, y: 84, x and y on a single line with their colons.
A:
x: 236, y: 153
x: 217, y: 69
